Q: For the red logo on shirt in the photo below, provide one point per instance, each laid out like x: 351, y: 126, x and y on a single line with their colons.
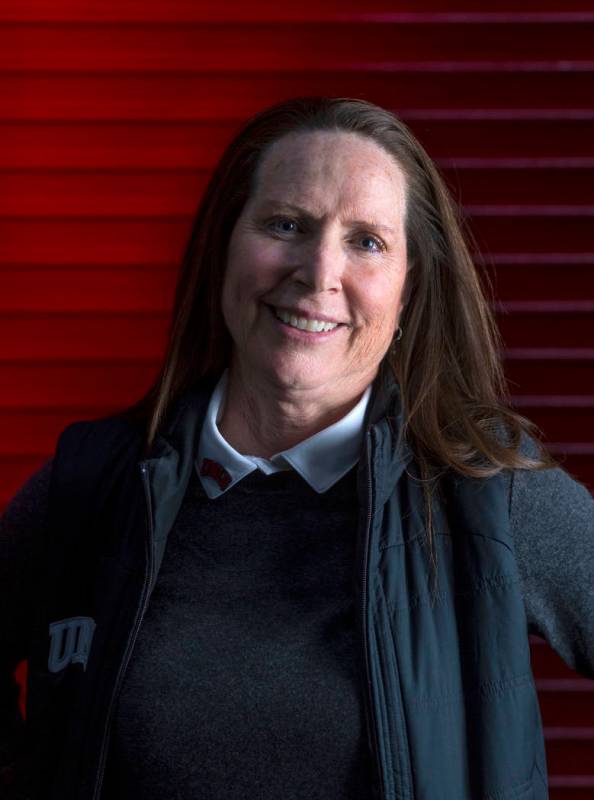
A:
x: 215, y: 470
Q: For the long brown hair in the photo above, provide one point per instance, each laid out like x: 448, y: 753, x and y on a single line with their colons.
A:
x: 448, y: 361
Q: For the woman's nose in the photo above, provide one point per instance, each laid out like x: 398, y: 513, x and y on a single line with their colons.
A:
x: 322, y: 263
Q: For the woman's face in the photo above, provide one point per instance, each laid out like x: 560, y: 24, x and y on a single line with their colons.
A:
x: 321, y: 237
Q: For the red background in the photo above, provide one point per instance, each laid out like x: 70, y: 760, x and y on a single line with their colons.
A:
x: 114, y: 113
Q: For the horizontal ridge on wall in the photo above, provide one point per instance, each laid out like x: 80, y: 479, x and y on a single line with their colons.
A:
x: 537, y: 139
x: 38, y: 288
x: 157, y: 11
x: 39, y: 193
x: 137, y: 240
x: 399, y: 45
x: 199, y: 97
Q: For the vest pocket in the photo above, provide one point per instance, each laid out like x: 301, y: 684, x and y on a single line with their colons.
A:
x: 540, y: 776
x: 523, y: 791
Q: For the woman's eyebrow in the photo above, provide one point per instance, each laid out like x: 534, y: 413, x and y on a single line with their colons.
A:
x: 281, y: 205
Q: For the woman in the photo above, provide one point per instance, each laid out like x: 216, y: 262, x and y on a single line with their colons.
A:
x: 305, y: 565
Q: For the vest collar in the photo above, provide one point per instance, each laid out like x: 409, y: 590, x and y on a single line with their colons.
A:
x: 172, y: 457
x: 383, y: 426
x: 384, y: 414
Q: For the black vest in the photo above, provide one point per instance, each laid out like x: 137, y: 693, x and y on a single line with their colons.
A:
x: 450, y: 702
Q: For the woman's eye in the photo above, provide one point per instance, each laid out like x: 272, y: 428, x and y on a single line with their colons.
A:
x: 282, y: 224
x: 379, y: 245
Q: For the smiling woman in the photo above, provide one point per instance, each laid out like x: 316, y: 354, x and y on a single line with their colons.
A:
x: 305, y: 564
x: 330, y: 206
x: 281, y: 286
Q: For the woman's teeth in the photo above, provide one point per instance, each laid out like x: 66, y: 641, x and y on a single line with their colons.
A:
x: 312, y: 325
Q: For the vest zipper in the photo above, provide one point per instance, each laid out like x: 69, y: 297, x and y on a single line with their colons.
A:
x: 371, y: 722
x: 144, y: 598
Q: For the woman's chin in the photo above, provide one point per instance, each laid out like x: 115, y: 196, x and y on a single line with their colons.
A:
x: 296, y: 373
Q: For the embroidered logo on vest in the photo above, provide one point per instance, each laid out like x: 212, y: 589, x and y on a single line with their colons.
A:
x: 213, y: 469
x: 70, y: 642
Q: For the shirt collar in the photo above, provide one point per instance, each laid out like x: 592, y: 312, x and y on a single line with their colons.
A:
x: 321, y: 460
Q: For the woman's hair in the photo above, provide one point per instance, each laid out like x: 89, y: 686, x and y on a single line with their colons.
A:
x: 447, y: 363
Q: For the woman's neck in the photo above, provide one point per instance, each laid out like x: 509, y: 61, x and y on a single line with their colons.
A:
x: 260, y: 421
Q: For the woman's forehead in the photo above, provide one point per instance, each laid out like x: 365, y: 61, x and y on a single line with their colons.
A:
x: 313, y: 152
x: 321, y: 165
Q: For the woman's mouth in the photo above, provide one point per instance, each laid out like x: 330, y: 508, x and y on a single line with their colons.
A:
x: 290, y: 326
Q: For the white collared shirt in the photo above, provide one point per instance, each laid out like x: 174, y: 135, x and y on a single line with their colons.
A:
x: 321, y: 460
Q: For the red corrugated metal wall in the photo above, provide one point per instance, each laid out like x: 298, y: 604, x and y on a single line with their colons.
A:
x: 114, y: 113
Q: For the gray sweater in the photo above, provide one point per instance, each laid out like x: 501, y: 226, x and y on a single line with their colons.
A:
x: 242, y: 681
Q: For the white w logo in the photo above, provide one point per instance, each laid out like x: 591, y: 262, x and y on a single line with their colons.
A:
x: 70, y: 642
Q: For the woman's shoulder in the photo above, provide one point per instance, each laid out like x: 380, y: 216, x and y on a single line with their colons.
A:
x: 552, y: 524
x: 554, y: 488
x: 25, y: 516
x: 529, y: 485
x: 108, y: 429
x: 81, y: 441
